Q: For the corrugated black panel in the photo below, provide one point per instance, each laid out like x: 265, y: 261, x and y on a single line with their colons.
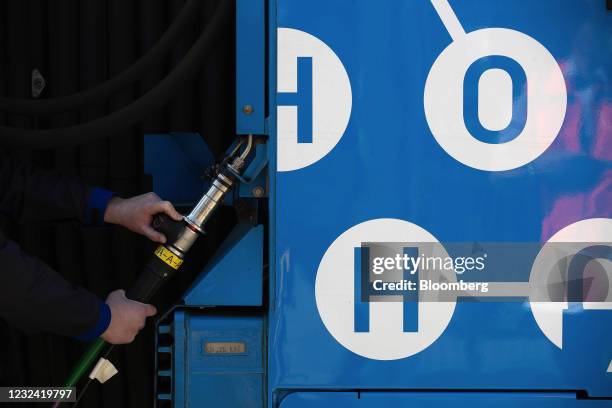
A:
x: 77, y: 44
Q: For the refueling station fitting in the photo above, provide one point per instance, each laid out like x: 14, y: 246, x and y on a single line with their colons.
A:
x: 181, y: 236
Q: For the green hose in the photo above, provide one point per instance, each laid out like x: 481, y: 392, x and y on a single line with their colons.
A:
x: 85, y: 362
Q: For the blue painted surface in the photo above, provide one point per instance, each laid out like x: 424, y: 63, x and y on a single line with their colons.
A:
x: 202, y: 379
x: 234, y: 276
x: 250, y: 66
x: 435, y: 400
x: 181, y: 183
x: 388, y: 165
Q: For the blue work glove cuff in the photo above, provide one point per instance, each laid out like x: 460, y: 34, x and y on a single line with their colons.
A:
x: 104, y: 318
x: 97, y: 201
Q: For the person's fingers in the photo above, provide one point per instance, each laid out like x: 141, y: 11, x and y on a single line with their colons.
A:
x: 150, y: 310
x: 128, y: 318
x: 153, y: 235
x: 152, y: 196
x: 167, y: 208
x: 177, y: 216
x: 159, y: 206
x: 117, y: 295
x: 171, y: 212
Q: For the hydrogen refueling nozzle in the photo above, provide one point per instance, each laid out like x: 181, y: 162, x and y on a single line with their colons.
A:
x: 168, y: 258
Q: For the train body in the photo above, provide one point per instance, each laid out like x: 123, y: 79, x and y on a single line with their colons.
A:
x: 482, y: 128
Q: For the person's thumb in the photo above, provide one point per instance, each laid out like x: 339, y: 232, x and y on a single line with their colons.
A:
x: 150, y: 310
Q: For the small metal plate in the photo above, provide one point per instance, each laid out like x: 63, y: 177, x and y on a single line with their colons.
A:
x: 224, y: 347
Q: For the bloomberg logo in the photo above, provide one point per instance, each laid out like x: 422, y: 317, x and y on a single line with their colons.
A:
x: 314, y: 99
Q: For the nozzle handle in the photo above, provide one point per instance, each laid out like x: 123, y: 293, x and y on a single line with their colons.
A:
x: 155, y: 273
x: 167, y: 226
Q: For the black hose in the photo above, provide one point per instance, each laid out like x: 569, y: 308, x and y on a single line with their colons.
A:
x: 132, y: 113
x: 104, y: 91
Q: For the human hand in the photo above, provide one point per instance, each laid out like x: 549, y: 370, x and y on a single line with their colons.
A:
x: 127, y: 318
x: 136, y: 214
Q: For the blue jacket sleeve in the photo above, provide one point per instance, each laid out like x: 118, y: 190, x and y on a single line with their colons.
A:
x: 95, y: 206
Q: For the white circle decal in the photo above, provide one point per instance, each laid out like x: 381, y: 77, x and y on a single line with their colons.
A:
x: 546, y: 97
x: 335, y: 295
x: 576, y: 237
x: 314, y: 99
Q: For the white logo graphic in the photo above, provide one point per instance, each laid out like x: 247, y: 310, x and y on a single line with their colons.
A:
x: 582, y: 234
x: 314, y: 99
x: 385, y: 338
x: 546, y: 96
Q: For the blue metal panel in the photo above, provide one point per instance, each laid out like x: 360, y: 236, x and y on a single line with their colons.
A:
x: 205, y: 379
x: 181, y: 183
x: 250, y: 67
x: 388, y: 164
x: 436, y: 400
x: 235, y: 275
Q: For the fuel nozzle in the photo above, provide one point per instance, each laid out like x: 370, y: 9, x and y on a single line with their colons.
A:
x: 223, y: 182
x: 182, y: 235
